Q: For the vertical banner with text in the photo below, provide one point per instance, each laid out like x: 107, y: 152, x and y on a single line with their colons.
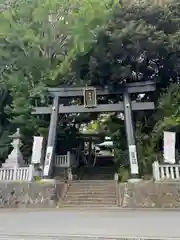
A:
x: 133, y: 159
x: 48, y: 160
x: 169, y: 147
x: 37, y: 150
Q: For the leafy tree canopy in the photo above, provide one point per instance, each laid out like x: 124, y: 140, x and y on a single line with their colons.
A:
x: 39, y: 40
x: 140, y: 43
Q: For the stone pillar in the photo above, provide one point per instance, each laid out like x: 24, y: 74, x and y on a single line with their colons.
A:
x: 15, y: 158
x: 51, y: 139
x: 130, y: 136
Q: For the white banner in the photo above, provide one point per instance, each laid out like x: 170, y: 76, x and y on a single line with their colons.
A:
x: 133, y: 159
x: 48, y: 160
x: 37, y: 150
x: 169, y: 147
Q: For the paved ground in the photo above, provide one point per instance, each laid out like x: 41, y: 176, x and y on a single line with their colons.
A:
x: 76, y: 224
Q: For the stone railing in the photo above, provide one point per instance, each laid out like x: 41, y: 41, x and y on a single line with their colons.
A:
x: 16, y: 174
x: 163, y: 172
x: 62, y: 160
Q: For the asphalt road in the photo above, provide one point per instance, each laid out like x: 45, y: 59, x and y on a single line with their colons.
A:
x: 79, y: 225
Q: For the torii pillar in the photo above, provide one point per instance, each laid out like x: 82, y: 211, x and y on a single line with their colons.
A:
x: 50, y: 150
x: 134, y: 168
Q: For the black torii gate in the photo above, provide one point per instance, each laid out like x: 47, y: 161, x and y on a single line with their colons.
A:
x: 91, y: 105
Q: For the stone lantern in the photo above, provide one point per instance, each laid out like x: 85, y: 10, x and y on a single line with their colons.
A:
x: 15, y: 158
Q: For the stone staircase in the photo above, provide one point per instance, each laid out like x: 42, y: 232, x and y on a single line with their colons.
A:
x: 91, y: 193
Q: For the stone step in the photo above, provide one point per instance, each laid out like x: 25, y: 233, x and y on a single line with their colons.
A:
x: 106, y: 178
x: 97, y: 173
x: 94, y: 189
x: 93, y: 185
x: 101, y: 185
x: 90, y: 191
x: 94, y: 181
x: 98, y: 188
x: 103, y: 194
x: 91, y: 188
x: 88, y: 205
x: 86, y: 186
x: 90, y: 202
x: 91, y: 196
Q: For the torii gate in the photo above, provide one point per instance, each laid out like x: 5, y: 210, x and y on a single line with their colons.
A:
x: 91, y: 105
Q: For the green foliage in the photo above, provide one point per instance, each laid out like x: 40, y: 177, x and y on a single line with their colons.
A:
x: 167, y: 117
x: 148, y: 150
x: 39, y: 40
x: 123, y: 174
x: 139, y: 43
x: 168, y: 110
x: 38, y: 52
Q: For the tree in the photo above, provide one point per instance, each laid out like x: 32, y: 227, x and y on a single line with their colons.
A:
x: 168, y: 115
x: 39, y: 52
x: 139, y: 43
x: 39, y: 40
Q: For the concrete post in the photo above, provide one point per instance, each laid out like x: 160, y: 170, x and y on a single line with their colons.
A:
x: 31, y: 172
x: 69, y: 158
x: 156, y: 174
x: 130, y: 136
x: 51, y: 139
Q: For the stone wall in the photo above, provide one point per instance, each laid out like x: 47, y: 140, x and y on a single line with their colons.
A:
x: 49, y: 194
x: 149, y: 195
x: 30, y: 195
